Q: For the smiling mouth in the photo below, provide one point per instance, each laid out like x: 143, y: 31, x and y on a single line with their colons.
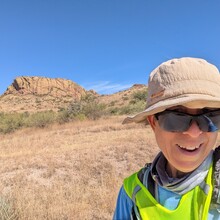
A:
x: 189, y: 148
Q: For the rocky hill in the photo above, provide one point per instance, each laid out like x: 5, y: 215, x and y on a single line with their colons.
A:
x: 40, y: 93
x: 42, y: 86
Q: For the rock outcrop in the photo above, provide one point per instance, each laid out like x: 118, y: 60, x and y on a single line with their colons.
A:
x: 34, y: 94
x: 42, y: 86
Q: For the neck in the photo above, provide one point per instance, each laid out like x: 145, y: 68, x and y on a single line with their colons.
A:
x: 173, y: 172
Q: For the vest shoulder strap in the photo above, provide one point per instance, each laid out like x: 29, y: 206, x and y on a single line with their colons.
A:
x: 146, y: 179
x: 216, y: 178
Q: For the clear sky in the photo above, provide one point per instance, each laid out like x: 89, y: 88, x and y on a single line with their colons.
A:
x: 105, y: 45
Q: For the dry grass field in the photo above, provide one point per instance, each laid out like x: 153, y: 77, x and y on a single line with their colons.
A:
x: 71, y: 171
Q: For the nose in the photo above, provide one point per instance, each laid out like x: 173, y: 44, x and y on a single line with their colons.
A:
x: 194, y: 130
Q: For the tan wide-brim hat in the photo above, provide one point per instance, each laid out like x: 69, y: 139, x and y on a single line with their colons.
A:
x: 190, y: 82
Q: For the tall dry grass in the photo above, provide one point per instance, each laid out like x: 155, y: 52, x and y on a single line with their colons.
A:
x: 71, y: 171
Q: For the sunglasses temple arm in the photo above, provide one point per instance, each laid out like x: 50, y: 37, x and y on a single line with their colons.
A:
x: 212, y: 127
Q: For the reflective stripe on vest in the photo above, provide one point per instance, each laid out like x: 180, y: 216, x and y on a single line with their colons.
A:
x: 193, y: 205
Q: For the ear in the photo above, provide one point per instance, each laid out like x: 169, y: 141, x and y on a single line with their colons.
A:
x: 152, y: 121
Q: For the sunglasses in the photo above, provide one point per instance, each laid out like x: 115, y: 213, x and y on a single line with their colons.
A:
x: 174, y: 121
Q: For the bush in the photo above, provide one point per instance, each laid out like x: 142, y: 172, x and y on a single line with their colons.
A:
x: 133, y: 108
x: 41, y: 119
x: 80, y: 117
x: 75, y: 108
x: 6, y: 210
x: 63, y: 116
x: 140, y: 95
x: 114, y: 111
x: 87, y: 107
x: 93, y: 110
x: 11, y: 122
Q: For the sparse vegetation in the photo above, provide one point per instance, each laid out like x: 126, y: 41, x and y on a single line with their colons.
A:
x: 10, y: 122
x: 125, y: 98
x: 71, y: 171
x: 132, y: 108
x: 40, y: 119
x: 140, y: 95
x: 7, y: 211
x: 87, y: 108
x: 136, y: 104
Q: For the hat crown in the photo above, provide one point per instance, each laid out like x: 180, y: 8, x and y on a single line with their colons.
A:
x: 182, y: 76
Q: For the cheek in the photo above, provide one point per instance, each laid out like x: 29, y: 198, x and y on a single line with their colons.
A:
x: 212, y: 139
x: 164, y: 139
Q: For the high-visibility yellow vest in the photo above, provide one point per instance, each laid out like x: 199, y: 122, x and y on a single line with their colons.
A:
x: 194, y: 205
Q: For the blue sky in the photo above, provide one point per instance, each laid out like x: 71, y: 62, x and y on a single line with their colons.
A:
x: 105, y: 45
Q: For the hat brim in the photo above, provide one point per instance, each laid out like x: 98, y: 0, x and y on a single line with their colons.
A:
x: 187, y: 100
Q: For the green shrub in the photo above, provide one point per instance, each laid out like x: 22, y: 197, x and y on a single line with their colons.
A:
x: 113, y: 111
x: 133, y: 101
x: 93, y: 110
x: 125, y: 98
x: 80, y: 117
x: 112, y: 103
x: 87, y: 106
x: 41, y: 119
x: 11, y: 122
x: 75, y: 108
x: 6, y: 210
x: 140, y: 95
x: 133, y: 108
x: 63, y: 116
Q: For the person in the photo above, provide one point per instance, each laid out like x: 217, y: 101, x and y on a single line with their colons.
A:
x: 183, y: 110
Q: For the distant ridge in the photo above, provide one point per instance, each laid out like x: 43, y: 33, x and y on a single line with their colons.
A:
x: 56, y: 87
x: 33, y: 94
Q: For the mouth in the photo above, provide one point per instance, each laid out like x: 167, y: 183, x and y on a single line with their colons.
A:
x: 189, y: 148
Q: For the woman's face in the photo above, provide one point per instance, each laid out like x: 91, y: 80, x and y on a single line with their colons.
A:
x: 184, y: 151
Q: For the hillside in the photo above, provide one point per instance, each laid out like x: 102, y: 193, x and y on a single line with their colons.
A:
x: 33, y: 94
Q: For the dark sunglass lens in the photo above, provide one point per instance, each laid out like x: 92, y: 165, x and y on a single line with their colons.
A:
x: 206, y: 124
x: 179, y: 122
x: 174, y: 121
x: 215, y: 118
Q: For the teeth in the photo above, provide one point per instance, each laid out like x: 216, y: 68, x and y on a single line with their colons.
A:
x: 189, y: 147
